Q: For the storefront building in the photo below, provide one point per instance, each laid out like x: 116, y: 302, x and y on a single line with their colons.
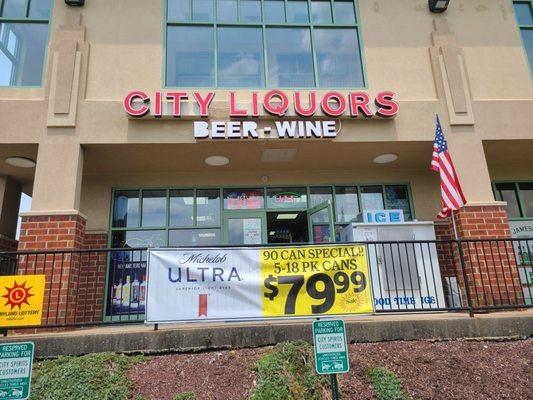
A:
x: 200, y: 122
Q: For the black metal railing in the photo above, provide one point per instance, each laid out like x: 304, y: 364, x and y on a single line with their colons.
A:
x: 108, y: 286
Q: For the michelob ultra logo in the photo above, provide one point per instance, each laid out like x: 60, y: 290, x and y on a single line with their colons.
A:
x: 21, y: 300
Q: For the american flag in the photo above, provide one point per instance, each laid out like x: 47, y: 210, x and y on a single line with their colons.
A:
x: 452, y: 197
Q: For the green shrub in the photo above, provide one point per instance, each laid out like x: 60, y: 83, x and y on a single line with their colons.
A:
x: 100, y: 376
x: 287, y: 373
x: 386, y: 384
x: 185, y: 396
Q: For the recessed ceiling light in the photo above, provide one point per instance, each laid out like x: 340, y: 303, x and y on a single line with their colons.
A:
x: 287, y: 216
x: 385, y: 158
x: 217, y: 161
x: 21, y: 162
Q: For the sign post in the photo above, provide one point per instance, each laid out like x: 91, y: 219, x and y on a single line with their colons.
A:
x: 331, y: 350
x: 16, y: 361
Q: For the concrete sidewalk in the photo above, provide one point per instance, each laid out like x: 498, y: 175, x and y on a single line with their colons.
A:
x: 140, y: 338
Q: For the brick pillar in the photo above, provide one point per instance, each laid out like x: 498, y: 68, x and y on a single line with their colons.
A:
x: 92, y: 278
x: 62, y: 270
x: 490, y: 267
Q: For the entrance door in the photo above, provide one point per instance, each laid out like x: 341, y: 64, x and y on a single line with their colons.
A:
x: 244, y: 228
x: 320, y: 223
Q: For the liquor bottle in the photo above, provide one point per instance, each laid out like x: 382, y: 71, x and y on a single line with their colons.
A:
x: 117, y: 296
x: 126, y: 291
x: 135, y: 286
x: 142, y: 291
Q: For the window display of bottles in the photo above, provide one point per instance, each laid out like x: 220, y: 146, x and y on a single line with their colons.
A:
x: 129, y: 293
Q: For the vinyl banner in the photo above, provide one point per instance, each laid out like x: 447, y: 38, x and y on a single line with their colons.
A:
x: 257, y: 283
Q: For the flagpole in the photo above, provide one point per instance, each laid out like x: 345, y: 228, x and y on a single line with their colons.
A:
x: 454, y: 226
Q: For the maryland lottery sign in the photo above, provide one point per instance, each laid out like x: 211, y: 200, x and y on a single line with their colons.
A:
x: 257, y: 283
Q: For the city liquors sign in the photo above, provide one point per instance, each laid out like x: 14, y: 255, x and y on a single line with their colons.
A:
x: 294, y: 112
x: 257, y: 283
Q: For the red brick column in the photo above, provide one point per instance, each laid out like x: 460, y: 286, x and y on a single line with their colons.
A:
x: 91, y: 289
x: 62, y: 270
x: 490, y: 267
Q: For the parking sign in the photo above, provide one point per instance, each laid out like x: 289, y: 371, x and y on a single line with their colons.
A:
x: 331, y: 350
x: 16, y: 361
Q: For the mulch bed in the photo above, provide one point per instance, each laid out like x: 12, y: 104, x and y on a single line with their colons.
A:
x: 442, y: 370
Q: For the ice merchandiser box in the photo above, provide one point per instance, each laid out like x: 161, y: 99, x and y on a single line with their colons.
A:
x: 405, y: 276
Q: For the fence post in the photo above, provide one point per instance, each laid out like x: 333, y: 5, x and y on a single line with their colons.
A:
x: 465, y: 277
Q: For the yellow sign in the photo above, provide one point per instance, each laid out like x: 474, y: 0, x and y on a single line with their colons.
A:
x: 300, y: 281
x: 21, y: 300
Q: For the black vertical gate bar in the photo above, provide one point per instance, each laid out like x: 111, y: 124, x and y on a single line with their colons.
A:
x: 401, y: 273
x: 483, y: 294
x: 425, y: 271
x: 526, y: 265
x: 87, y: 258
x: 484, y: 253
x: 506, y: 246
x: 96, y: 285
x: 50, y: 286
x: 465, y: 278
x: 410, y: 277
x: 394, y: 274
x: 503, y: 273
x: 433, y: 273
x: 60, y: 282
x: 379, y: 277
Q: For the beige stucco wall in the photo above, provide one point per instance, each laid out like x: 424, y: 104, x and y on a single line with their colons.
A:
x: 125, y: 39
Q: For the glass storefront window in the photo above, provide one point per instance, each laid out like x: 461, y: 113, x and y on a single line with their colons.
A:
x: 178, y: 10
x: 397, y: 198
x: 227, y: 11
x: 321, y: 12
x: 244, y: 231
x: 524, y: 13
x: 202, y: 10
x: 182, y: 207
x: 22, y: 51
x: 244, y: 199
x: 274, y: 11
x: 250, y: 11
x: 208, y: 207
x: 526, y: 196
x: 337, y: 57
x: 507, y: 192
x: 14, y: 9
x: 139, y: 239
x: 194, y: 237
x: 344, y: 12
x: 286, y: 198
x: 126, y: 209
x: 524, y: 17
x: 240, y: 57
x: 346, y: 203
x: 321, y: 195
x: 190, y: 56
x: 297, y: 11
x: 371, y: 198
x: 154, y: 208
x: 290, y: 62
x: 39, y: 9
x: 263, y: 43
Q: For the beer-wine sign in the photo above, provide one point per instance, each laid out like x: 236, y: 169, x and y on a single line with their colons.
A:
x: 275, y: 103
x: 257, y: 283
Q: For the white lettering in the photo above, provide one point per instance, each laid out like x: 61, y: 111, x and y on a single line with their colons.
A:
x: 200, y: 130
